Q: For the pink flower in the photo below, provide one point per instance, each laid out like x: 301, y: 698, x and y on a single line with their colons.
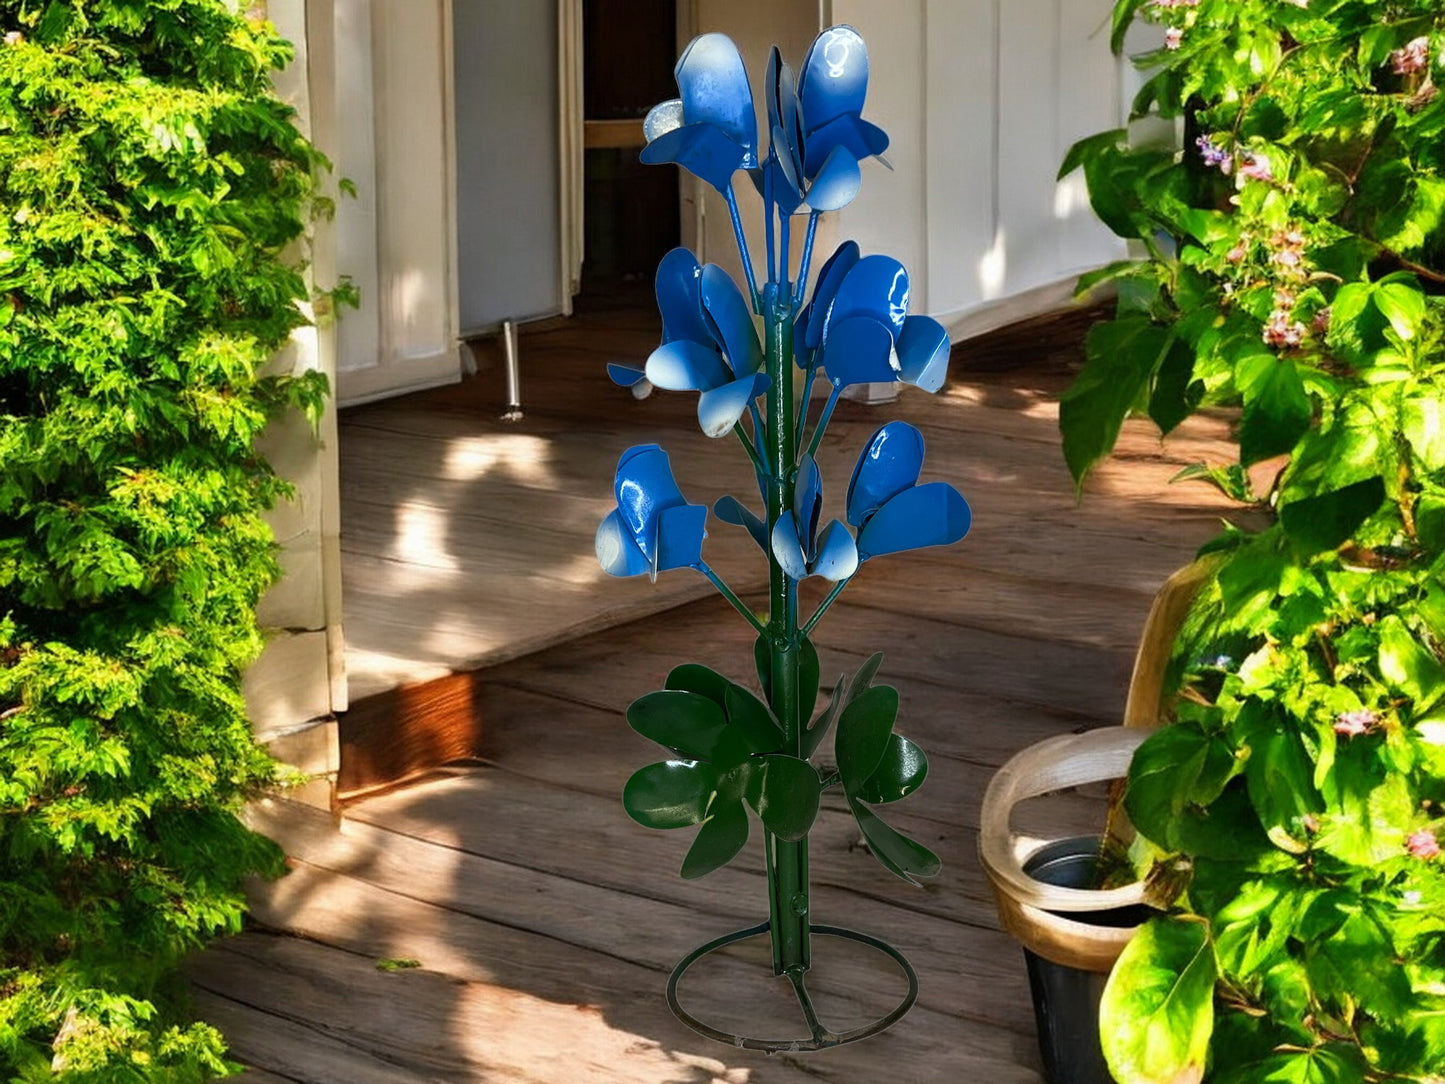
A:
x: 1256, y: 168
x: 1237, y: 253
x: 1351, y: 724
x: 1423, y: 844
x: 1320, y: 325
x: 1280, y: 330
x: 1413, y: 57
x: 13, y: 37
x: 1173, y: 38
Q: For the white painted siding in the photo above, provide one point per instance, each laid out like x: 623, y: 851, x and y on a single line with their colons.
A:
x: 981, y: 98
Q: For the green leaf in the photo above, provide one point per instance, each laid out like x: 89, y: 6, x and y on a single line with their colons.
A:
x: 1122, y: 357
x: 863, y: 679
x: 718, y: 842
x: 1422, y: 420
x: 1280, y: 775
x: 784, y: 791
x: 1157, y: 1011
x: 899, y: 773
x: 814, y: 735
x: 900, y: 855
x: 1331, y: 519
x: 1332, y: 1064
x: 695, y: 678
x: 1177, y: 767
x: 1088, y: 148
x: 1277, y: 412
x: 673, y: 794
x: 1123, y: 16
x: 1409, y: 666
x: 685, y: 722
x: 862, y: 737
x: 753, y: 719
x: 1403, y: 306
x: 1176, y: 393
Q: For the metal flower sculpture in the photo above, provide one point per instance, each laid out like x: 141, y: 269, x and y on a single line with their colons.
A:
x: 727, y: 750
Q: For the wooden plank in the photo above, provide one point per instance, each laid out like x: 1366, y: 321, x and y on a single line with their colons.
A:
x: 501, y: 1029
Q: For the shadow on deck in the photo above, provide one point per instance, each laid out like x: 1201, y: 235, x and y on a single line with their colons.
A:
x: 544, y: 921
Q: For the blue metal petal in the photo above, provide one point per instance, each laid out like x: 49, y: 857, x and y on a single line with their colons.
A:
x: 680, y: 531
x: 617, y: 553
x: 854, y: 134
x: 929, y: 515
x: 687, y: 366
x: 787, y: 187
x: 891, y: 462
x: 714, y: 86
x: 719, y: 409
x: 808, y: 503
x: 837, y: 557
x: 923, y: 352
x: 679, y: 297
x: 858, y: 352
x: 731, y: 510
x: 703, y: 149
x: 834, y: 78
x: 836, y: 183
x: 788, y: 548
x: 772, y: 81
x: 829, y: 278
x: 624, y: 375
x: 876, y: 287
x: 644, y: 486
x: 731, y: 321
x: 662, y: 118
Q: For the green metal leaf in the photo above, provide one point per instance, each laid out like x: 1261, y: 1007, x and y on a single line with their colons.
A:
x: 784, y: 791
x: 863, y: 679
x: 814, y: 735
x: 683, y: 721
x: 900, y: 855
x: 672, y: 794
x: 1328, y: 521
x: 722, y: 836
x: 899, y: 773
x: 753, y: 720
x: 1157, y: 1011
x: 695, y: 678
x: 863, y: 731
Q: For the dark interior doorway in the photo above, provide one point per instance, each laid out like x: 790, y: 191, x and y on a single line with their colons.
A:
x: 630, y: 211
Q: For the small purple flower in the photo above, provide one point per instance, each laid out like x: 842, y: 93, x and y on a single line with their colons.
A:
x: 1351, y: 724
x: 1213, y: 154
x: 1423, y: 844
x: 1412, y: 57
x: 1256, y: 168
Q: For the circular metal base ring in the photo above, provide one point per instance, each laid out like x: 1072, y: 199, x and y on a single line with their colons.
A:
x: 821, y: 1038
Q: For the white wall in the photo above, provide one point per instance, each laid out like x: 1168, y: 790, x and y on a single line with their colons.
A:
x: 981, y: 98
x: 508, y: 217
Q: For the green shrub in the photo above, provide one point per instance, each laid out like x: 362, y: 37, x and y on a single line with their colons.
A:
x: 1294, y: 811
x: 150, y: 182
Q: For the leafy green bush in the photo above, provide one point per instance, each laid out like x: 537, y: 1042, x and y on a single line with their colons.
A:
x: 150, y: 182
x: 1296, y: 271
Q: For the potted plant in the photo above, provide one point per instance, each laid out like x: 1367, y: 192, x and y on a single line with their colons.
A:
x: 1295, y: 274
x: 728, y: 750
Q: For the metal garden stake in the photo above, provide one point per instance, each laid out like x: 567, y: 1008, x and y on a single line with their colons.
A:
x: 728, y: 750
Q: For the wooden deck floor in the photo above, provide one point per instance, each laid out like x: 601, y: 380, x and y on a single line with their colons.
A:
x: 544, y: 921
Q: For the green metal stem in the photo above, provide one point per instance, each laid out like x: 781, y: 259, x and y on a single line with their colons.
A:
x: 737, y: 603
x: 787, y: 862
x: 823, y: 606
x: 742, y: 435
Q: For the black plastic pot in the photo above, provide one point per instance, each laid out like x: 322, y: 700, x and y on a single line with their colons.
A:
x: 1066, y: 999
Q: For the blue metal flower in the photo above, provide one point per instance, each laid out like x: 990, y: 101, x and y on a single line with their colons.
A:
x: 890, y: 509
x: 801, y: 551
x: 830, y: 95
x: 834, y: 180
x: 858, y: 327
x: 653, y: 527
x: 711, y: 130
x: 709, y: 343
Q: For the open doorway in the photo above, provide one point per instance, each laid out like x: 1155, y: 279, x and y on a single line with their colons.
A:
x: 630, y: 211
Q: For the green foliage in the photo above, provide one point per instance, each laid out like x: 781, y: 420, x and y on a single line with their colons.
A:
x: 1297, y: 259
x: 730, y: 756
x: 150, y: 181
